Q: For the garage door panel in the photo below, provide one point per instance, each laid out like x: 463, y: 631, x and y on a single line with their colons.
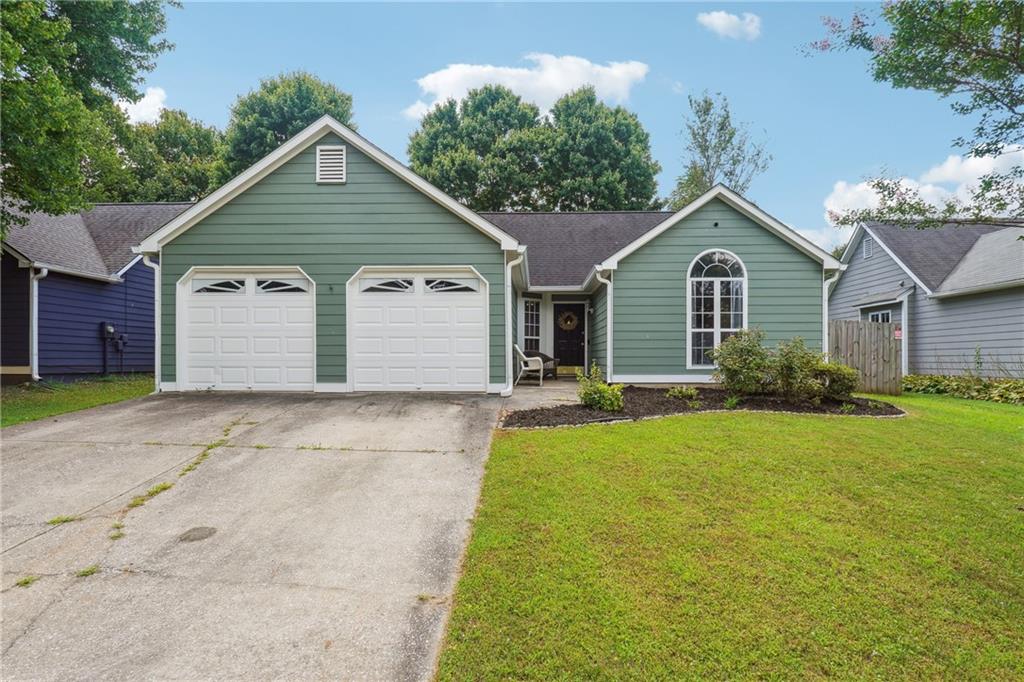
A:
x: 234, y: 345
x: 267, y: 376
x: 419, y: 338
x: 299, y: 345
x: 266, y: 315
x: 202, y: 315
x: 234, y: 315
x: 198, y: 374
x: 266, y: 345
x: 299, y: 316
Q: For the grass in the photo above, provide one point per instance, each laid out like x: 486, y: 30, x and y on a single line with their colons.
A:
x: 29, y: 402
x: 26, y: 581
x: 140, y: 500
x: 744, y: 545
x: 58, y: 520
x: 87, y: 571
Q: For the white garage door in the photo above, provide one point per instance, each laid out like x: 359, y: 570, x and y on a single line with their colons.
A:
x: 247, y: 332
x: 418, y: 331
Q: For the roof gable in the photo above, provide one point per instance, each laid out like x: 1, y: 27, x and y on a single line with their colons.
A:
x: 929, y: 254
x: 289, y: 150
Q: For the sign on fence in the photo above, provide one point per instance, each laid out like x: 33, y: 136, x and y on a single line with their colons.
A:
x: 874, y: 349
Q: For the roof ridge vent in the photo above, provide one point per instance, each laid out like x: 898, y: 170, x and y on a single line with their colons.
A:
x: 331, y: 164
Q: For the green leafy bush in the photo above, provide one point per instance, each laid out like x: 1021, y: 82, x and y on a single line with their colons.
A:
x: 837, y: 380
x: 594, y: 392
x: 794, y: 371
x: 967, y: 386
x: 732, y: 402
x: 743, y: 363
x: 682, y: 393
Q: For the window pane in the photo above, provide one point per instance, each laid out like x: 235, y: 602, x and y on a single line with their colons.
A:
x: 701, y: 345
x: 531, y: 344
x: 380, y: 286
x: 281, y: 286
x: 218, y: 286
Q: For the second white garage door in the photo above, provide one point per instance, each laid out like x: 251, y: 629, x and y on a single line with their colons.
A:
x: 418, y: 331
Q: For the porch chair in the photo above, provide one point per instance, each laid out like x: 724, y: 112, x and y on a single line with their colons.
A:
x: 528, y: 365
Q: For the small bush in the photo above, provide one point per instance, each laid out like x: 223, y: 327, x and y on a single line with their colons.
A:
x: 732, y: 402
x: 966, y: 386
x: 695, y: 404
x: 595, y: 393
x: 794, y: 372
x: 838, y: 381
x: 682, y: 393
x: 743, y: 363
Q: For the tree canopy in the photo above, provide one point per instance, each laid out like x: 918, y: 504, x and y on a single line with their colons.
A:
x: 281, y: 107
x: 718, y: 151
x: 63, y: 65
x: 494, y: 152
x: 969, y: 52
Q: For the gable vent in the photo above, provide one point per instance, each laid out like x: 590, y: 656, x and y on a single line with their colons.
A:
x: 330, y: 164
x: 869, y: 247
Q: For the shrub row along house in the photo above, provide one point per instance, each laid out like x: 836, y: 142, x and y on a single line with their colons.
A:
x: 956, y: 292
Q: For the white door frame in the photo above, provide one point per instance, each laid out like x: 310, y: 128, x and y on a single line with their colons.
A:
x: 398, y: 271
x: 181, y: 293
x: 586, y: 327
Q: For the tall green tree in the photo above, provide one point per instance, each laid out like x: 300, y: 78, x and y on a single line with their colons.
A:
x: 718, y: 151
x: 281, y: 107
x: 63, y: 65
x: 482, y: 151
x: 969, y: 52
x: 596, y: 157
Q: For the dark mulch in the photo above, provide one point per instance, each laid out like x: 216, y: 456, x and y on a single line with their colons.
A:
x: 653, y: 402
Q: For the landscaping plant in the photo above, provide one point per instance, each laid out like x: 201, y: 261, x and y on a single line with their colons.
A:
x: 743, y: 363
x: 596, y: 393
x: 967, y: 386
x: 682, y: 392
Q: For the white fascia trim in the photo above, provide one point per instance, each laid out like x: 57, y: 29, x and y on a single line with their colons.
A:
x: 290, y: 149
x: 126, y: 268
x: 76, y: 273
x: 663, y: 379
x: 876, y: 304
x: 23, y: 260
x: 898, y: 262
x: 979, y: 289
x: 556, y: 290
x: 737, y: 202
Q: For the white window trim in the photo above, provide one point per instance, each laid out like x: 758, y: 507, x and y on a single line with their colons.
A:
x: 689, y: 289
x: 539, y: 304
x: 320, y: 179
x: 879, y: 314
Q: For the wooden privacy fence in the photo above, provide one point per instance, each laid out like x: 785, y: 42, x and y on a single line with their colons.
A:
x: 874, y: 349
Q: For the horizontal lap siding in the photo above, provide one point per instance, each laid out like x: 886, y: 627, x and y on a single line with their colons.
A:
x: 862, y: 278
x: 784, y: 289
x: 944, y: 333
x: 330, y: 231
x: 14, y: 313
x: 599, y: 329
x: 71, y: 310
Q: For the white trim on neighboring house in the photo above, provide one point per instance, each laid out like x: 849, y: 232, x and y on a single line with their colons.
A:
x: 120, y: 273
x: 33, y: 324
x: 663, y: 378
x: 181, y: 298
x: 717, y: 298
x: 609, y: 313
x: 904, y: 300
x: 292, y: 148
x: 892, y: 255
x: 745, y: 207
x: 981, y: 289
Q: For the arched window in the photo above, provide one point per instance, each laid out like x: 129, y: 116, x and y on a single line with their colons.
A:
x: 717, y: 286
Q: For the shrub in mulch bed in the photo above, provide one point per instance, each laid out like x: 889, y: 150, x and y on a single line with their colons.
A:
x: 653, y: 402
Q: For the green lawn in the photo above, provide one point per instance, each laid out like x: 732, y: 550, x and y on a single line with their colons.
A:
x: 27, y: 403
x: 750, y: 545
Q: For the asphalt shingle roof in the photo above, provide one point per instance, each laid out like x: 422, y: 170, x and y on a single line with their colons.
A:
x: 96, y: 242
x: 563, y: 248
x: 996, y: 258
x: 931, y: 253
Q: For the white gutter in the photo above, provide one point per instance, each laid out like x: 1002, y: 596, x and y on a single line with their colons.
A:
x: 157, y: 315
x: 826, y: 285
x: 609, y: 309
x: 76, y: 273
x: 904, y: 324
x: 507, y: 391
x: 978, y: 289
x: 33, y: 326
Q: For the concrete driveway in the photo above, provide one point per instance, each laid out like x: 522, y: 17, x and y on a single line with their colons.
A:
x: 338, y: 524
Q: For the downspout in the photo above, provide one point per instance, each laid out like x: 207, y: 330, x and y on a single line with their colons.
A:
x: 507, y: 391
x: 905, y: 336
x: 609, y: 309
x: 157, y: 314
x: 826, y: 285
x: 33, y: 326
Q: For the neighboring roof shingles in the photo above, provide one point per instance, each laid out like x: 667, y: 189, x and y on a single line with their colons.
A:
x: 97, y: 242
x: 996, y: 258
x: 931, y: 253
x: 563, y: 248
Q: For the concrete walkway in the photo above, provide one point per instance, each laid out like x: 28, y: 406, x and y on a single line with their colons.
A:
x: 320, y: 537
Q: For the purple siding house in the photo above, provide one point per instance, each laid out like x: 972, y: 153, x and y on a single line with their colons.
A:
x: 65, y: 281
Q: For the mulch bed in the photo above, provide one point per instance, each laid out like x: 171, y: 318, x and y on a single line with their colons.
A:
x: 653, y: 402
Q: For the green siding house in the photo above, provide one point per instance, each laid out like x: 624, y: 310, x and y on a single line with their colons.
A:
x: 329, y: 266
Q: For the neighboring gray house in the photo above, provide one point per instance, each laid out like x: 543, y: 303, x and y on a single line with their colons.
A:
x: 957, y: 292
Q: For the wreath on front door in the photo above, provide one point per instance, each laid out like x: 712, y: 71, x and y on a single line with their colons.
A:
x: 568, y: 321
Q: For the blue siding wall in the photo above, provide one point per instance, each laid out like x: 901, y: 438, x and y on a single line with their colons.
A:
x: 71, y: 310
x: 14, y: 313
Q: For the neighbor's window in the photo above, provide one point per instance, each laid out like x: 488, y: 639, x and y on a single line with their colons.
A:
x: 717, y: 284
x: 880, y: 316
x: 868, y: 247
x: 531, y: 324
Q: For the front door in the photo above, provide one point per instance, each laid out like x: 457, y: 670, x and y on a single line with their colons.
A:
x: 570, y: 334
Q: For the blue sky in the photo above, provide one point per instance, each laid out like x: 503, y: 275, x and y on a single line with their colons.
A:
x: 823, y: 118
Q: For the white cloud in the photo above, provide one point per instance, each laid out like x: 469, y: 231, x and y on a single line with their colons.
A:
x: 957, y: 176
x: 543, y: 83
x: 147, y: 109
x: 678, y: 88
x: 727, y: 25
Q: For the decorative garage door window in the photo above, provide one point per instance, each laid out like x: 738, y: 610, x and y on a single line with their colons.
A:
x: 452, y: 285
x: 386, y: 286
x: 282, y: 286
x: 218, y: 286
x: 717, y: 286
